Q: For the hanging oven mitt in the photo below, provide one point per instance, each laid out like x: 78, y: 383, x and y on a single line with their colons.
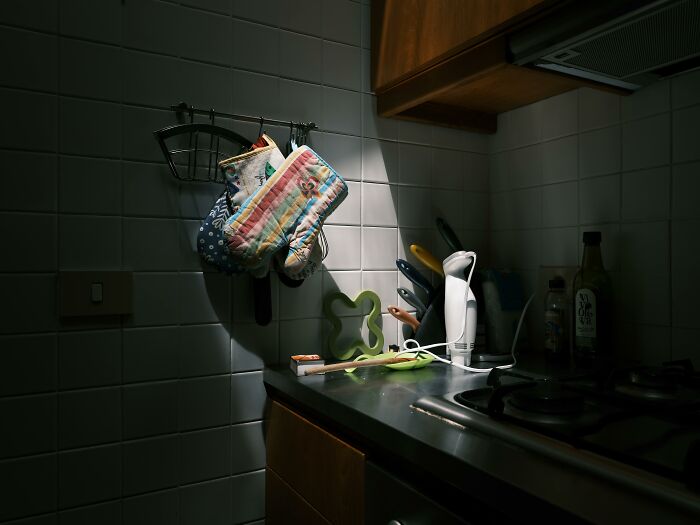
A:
x: 211, y: 243
x: 286, y: 212
x: 246, y: 173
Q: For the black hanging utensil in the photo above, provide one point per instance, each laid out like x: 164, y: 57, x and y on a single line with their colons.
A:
x: 449, y: 235
x: 417, y: 278
x: 262, y: 300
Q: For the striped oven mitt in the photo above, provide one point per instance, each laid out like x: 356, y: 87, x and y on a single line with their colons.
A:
x: 287, y: 212
x: 244, y: 175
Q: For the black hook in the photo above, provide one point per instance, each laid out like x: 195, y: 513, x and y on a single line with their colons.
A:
x: 212, y: 115
x: 262, y: 121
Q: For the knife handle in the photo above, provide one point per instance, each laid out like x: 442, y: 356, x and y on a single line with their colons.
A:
x: 428, y: 259
x: 412, y: 299
x: 403, y: 316
x: 417, y: 278
x: 449, y: 235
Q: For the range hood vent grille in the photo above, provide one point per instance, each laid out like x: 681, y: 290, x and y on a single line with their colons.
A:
x: 643, y: 44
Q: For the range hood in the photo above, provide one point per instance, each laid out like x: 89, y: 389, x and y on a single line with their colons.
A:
x: 622, y: 43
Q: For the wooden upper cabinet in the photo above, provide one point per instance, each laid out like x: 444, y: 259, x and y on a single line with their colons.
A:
x: 445, y: 61
x: 414, y: 33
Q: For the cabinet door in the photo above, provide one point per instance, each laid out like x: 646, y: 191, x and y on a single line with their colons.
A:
x: 325, y: 471
x: 390, y: 500
x: 284, y: 506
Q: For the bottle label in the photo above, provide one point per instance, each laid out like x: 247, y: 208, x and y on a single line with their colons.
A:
x: 585, y: 313
x: 553, y: 330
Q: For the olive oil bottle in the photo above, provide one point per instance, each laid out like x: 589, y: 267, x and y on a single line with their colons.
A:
x: 592, y: 293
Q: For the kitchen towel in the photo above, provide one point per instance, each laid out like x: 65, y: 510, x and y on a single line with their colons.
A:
x: 287, y: 211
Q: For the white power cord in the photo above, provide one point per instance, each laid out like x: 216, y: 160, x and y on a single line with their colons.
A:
x: 424, y: 349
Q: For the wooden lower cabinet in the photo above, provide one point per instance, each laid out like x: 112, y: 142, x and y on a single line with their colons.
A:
x: 312, y: 476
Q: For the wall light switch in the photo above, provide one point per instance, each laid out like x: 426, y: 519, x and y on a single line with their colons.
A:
x: 84, y: 294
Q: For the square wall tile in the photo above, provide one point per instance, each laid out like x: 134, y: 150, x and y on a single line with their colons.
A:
x: 159, y: 508
x: 89, y: 358
x: 28, y: 486
x: 150, y: 353
x: 150, y: 464
x: 379, y: 248
x: 36, y: 66
x: 203, y: 402
x: 342, y: 66
x: 559, y: 115
x: 304, y: 301
x: 256, y: 47
x: 416, y: 133
x: 299, y: 101
x: 14, y: 228
x: 560, y: 160
x: 205, y: 298
x: 89, y: 417
x: 90, y: 70
x: 476, y: 177
x: 150, y: 79
x: 208, y: 502
x: 150, y: 190
x: 646, y: 142
x: 686, y: 139
x: 156, y: 299
x: 27, y: 364
x: 686, y: 187
x: 526, y: 123
x: 204, y: 86
x: 380, y: 161
x: 90, y: 186
x: 685, y: 257
x: 78, y: 121
x: 150, y: 409
x: 379, y: 204
x: 255, y: 94
x: 448, y: 169
x: 342, y: 152
x: 652, y: 99
x: 349, y: 211
x: 345, y: 247
x: 597, y: 109
x: 646, y: 194
x: 599, y: 199
x: 560, y: 247
x: 100, y: 21
x: 89, y: 475
x: 254, y: 346
x: 90, y: 243
x: 104, y: 513
x: 204, y: 455
x: 138, y: 127
x: 415, y: 164
x: 21, y: 167
x: 29, y: 293
x: 248, y: 391
x: 342, y: 21
x: 414, y: 207
x: 151, y: 244
x: 205, y: 36
x: 349, y: 283
x: 560, y: 205
x: 204, y: 350
x: 447, y: 204
x: 375, y: 126
x: 524, y: 167
x: 342, y: 111
x: 30, y: 121
x: 409, y: 236
x: 149, y: 26
x: 306, y: 336
x: 249, y: 489
x: 384, y: 284
x: 600, y: 152
x: 684, y: 344
x: 32, y: 421
x: 646, y: 280
x: 685, y: 89
x: 476, y: 211
x: 248, y: 445
x: 301, y: 57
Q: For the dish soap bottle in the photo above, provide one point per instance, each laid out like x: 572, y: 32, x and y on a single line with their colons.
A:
x: 592, y: 304
x: 556, y: 321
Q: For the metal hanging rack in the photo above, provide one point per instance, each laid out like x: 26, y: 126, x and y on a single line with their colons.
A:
x: 197, y: 148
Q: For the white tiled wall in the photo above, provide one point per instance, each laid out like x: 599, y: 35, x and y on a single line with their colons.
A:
x: 627, y: 166
x: 157, y: 418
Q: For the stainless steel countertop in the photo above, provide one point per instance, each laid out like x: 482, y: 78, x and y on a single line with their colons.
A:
x: 374, y: 406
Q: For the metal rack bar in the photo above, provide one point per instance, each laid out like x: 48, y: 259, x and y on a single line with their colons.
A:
x: 183, y: 107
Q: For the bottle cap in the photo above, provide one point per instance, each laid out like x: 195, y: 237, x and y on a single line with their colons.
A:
x: 557, y: 283
x: 591, y: 238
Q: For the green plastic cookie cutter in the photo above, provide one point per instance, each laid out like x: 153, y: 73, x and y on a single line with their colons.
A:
x: 357, y: 344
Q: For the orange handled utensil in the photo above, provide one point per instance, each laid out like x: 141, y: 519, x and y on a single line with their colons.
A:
x: 427, y: 259
x: 403, y: 316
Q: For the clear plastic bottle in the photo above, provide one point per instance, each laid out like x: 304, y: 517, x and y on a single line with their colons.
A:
x: 556, y: 321
x: 592, y: 305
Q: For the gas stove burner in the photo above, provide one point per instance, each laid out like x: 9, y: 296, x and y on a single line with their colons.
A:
x: 547, y: 398
x: 652, y: 383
